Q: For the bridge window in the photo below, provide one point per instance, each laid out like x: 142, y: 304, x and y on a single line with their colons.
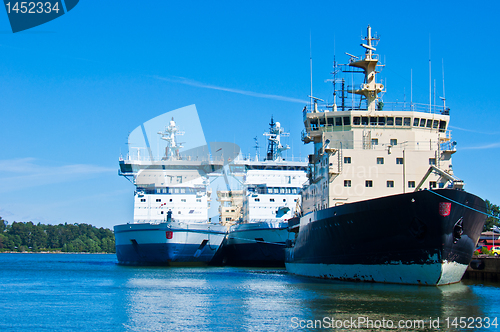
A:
x: 429, y: 123
x: 364, y: 120
x: 356, y: 121
x: 399, y: 121
x: 381, y: 121
x: 373, y: 121
x: 338, y: 121
x: 415, y: 122
x: 329, y: 121
x: 390, y: 121
x: 314, y: 124
x: 442, y: 126
x: 407, y: 122
x: 435, y: 124
x: 422, y: 122
x: 347, y: 121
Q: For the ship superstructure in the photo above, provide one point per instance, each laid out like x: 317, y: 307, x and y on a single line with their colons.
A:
x: 271, y: 196
x: 171, y: 200
x: 381, y: 191
x: 369, y: 148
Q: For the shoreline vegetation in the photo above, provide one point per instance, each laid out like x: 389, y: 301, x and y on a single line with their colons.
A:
x: 26, y: 237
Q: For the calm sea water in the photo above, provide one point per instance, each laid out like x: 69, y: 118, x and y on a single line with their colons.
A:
x: 78, y: 292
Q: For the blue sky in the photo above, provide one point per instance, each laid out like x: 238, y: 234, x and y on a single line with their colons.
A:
x: 73, y: 89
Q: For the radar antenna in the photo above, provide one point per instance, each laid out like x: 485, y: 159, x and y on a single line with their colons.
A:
x: 274, y: 147
x: 169, y: 135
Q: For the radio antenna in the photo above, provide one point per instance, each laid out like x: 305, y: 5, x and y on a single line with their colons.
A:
x: 430, y: 80
x: 444, y: 95
x: 310, y: 69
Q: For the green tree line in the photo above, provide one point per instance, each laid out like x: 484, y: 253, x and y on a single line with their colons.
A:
x: 26, y: 236
x: 494, y: 212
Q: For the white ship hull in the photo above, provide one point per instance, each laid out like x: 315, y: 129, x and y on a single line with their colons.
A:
x: 172, y: 243
x: 418, y: 274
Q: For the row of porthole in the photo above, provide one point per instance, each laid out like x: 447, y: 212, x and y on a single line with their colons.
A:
x: 183, y: 200
x: 272, y: 200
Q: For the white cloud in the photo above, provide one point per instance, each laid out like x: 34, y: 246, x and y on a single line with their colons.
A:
x: 474, y: 131
x: 482, y: 147
x: 16, y: 174
x: 186, y: 81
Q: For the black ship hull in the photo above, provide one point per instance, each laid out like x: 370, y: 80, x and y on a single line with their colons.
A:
x: 256, y: 244
x: 424, y: 237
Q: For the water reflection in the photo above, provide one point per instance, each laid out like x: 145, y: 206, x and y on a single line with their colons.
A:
x: 161, y: 298
x: 242, y: 299
x: 344, y: 301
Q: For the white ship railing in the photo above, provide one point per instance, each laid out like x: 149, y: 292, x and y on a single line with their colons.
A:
x: 444, y: 145
x: 142, y: 154
x: 389, y: 106
x: 251, y: 157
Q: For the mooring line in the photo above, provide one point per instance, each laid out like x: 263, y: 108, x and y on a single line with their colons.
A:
x: 489, y: 215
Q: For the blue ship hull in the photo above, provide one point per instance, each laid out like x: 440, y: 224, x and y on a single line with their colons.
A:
x: 168, y: 243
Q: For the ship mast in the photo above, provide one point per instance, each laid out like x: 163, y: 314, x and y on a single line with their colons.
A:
x: 274, y: 147
x: 370, y: 88
x: 169, y: 135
